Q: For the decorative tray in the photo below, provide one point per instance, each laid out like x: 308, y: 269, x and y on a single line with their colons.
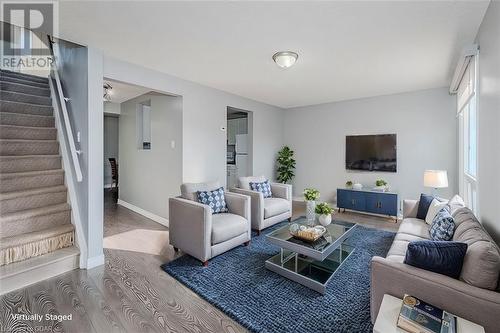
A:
x: 305, y: 233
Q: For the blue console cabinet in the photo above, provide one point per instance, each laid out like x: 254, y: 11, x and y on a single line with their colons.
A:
x: 383, y: 203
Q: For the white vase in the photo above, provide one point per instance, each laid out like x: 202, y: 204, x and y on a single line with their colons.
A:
x: 325, y: 219
x: 310, y: 211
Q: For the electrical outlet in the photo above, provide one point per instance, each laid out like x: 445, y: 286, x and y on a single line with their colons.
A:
x: 78, y: 137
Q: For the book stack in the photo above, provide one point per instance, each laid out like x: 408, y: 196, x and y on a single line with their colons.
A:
x: 416, y: 316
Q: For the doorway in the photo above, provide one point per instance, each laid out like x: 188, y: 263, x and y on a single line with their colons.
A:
x: 238, y: 145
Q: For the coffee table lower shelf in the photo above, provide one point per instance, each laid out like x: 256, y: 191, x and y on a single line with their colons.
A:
x: 309, y: 272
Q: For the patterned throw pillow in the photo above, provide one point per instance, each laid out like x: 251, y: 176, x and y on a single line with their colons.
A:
x: 264, y: 188
x: 215, y: 199
x: 443, y: 226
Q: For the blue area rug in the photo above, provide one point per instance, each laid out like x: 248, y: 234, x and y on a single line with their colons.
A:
x: 237, y: 283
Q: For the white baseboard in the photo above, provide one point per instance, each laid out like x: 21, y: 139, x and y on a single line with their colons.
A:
x: 149, y: 215
x: 95, y: 261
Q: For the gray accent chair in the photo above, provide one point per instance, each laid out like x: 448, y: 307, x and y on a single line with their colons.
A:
x: 267, y: 211
x: 196, y: 231
x: 475, y: 296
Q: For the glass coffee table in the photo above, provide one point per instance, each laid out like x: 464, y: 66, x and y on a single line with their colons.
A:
x: 310, y: 264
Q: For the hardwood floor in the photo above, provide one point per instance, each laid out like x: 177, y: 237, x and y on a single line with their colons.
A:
x: 130, y: 293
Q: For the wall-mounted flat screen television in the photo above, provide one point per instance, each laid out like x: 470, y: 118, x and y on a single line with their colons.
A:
x: 371, y: 152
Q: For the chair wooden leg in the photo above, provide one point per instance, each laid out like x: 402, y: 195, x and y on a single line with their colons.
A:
x: 246, y: 243
x: 258, y: 232
x: 290, y: 219
x: 205, y: 263
x: 176, y: 249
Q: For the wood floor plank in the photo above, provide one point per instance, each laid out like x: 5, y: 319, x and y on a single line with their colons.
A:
x: 17, y: 302
x: 102, y: 317
x: 131, y: 317
x: 43, y: 303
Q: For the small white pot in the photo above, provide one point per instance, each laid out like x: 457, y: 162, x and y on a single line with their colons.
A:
x: 325, y: 220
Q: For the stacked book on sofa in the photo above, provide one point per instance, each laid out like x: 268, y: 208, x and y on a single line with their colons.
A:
x: 416, y: 316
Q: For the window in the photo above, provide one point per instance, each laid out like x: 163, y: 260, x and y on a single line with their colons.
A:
x: 467, y: 113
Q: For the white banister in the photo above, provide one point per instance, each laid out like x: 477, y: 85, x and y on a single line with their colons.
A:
x: 64, y: 110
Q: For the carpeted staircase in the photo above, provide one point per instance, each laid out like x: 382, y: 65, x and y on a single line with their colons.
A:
x: 35, y: 218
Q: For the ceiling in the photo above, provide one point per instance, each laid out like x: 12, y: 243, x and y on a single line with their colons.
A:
x: 346, y: 50
x: 123, y: 92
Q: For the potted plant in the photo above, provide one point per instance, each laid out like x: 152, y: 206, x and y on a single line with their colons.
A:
x: 381, y: 184
x: 286, y: 165
x: 348, y: 184
x: 324, y: 210
x: 311, y: 195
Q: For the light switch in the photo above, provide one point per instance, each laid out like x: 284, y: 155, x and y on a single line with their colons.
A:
x: 172, y: 144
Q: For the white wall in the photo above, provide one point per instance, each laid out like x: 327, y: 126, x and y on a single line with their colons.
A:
x: 149, y: 177
x: 204, y: 113
x: 424, y: 122
x: 488, y: 39
x: 111, y: 108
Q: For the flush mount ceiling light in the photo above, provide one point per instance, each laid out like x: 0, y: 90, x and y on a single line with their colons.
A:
x: 285, y: 59
x: 108, y: 91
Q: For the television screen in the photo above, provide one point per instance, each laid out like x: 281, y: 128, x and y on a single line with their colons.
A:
x: 371, y: 152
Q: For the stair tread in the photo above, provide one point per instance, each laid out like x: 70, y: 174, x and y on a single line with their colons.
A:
x: 30, y: 192
x: 27, y: 115
x: 21, y: 93
x: 25, y: 85
x: 27, y: 127
x: 30, y: 173
x: 37, y: 262
x: 28, y: 213
x: 31, y: 104
x: 35, y: 236
x: 31, y: 83
x: 15, y: 157
x: 26, y: 76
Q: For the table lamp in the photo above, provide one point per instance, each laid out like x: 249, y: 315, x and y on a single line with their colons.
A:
x: 436, y: 179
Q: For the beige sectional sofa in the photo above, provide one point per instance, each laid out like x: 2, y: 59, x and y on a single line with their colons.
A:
x: 475, y: 296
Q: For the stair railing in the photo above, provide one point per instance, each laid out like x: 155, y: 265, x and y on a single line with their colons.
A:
x: 54, y: 47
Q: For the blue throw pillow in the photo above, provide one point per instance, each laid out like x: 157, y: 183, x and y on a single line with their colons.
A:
x: 423, y: 205
x: 443, y: 257
x: 443, y: 226
x: 264, y: 188
x: 215, y: 199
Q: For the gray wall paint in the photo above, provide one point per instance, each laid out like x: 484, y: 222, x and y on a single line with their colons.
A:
x: 425, y: 125
x: 149, y: 177
x: 81, y: 75
x: 488, y: 39
x: 110, y: 144
x: 204, y: 113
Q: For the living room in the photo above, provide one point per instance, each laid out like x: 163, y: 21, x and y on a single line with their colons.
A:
x: 370, y: 185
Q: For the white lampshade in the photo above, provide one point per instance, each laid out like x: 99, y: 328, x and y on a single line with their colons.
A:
x: 285, y: 59
x: 436, y: 178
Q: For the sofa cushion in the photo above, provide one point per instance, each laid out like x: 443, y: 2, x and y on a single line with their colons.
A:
x: 226, y: 226
x: 442, y: 226
x: 263, y: 187
x: 189, y: 190
x: 440, y: 257
x: 414, y: 226
x: 434, y: 208
x: 244, y: 182
x: 462, y: 215
x: 423, y: 205
x: 275, y: 206
x: 455, y: 203
x: 482, y: 261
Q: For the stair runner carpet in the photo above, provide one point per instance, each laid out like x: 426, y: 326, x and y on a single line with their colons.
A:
x: 35, y: 218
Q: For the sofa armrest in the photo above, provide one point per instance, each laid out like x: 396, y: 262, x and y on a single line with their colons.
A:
x: 190, y: 227
x: 394, y: 278
x: 238, y: 204
x: 257, y: 206
x: 283, y: 191
x: 410, y: 208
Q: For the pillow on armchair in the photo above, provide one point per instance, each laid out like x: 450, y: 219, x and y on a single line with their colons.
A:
x: 216, y: 199
x: 263, y: 187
